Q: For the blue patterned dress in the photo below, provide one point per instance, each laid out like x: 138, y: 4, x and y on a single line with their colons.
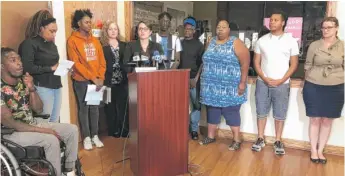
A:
x: 221, y: 75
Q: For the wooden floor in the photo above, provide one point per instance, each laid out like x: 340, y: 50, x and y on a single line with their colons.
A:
x: 216, y: 160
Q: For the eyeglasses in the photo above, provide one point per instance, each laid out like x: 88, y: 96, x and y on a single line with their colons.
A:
x: 143, y: 29
x: 327, y: 28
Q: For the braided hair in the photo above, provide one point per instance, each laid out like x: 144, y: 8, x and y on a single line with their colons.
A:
x: 35, y: 22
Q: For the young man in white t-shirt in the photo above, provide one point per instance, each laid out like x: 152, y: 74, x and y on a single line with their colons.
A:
x: 171, y: 43
x: 275, y: 60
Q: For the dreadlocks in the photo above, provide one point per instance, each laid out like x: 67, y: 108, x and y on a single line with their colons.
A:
x: 35, y: 22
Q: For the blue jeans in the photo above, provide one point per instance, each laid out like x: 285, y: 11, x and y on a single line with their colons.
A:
x: 51, y: 99
x: 195, y: 109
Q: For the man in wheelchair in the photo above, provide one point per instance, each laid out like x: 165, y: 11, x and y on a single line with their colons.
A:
x: 18, y: 102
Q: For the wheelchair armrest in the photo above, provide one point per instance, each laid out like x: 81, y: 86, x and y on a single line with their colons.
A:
x: 42, y: 116
x: 6, y: 131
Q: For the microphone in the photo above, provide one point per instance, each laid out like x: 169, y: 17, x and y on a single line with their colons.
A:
x: 156, y: 56
x: 136, y: 57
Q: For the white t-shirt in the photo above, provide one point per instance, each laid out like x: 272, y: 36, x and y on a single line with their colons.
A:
x: 275, y: 54
x: 176, y: 44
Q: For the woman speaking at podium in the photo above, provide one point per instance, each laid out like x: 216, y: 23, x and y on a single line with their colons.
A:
x: 141, y: 51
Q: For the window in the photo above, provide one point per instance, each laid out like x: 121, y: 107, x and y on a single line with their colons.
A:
x: 247, y: 18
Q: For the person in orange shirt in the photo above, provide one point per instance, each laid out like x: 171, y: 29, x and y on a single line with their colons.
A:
x: 89, y: 68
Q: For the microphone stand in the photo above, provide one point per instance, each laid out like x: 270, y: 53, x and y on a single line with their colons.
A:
x: 157, y: 64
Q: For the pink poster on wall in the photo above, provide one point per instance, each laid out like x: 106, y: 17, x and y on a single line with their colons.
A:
x: 294, y: 27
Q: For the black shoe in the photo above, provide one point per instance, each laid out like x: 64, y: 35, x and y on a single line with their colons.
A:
x: 125, y: 134
x: 67, y: 170
x: 117, y: 134
x: 323, y: 161
x: 314, y: 160
x: 195, y: 135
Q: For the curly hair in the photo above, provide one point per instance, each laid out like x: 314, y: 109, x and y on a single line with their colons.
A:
x: 78, y: 15
x: 35, y: 22
x: 104, y: 36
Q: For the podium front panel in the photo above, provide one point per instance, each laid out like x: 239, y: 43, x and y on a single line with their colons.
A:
x: 159, y: 120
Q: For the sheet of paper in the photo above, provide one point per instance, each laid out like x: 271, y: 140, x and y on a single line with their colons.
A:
x: 63, y: 67
x: 107, y: 95
x: 241, y: 36
x: 202, y: 37
x: 145, y: 69
x: 92, y: 94
x: 93, y: 102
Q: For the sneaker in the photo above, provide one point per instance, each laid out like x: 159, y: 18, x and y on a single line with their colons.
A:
x: 278, y: 148
x: 207, y: 140
x: 235, y: 145
x: 72, y: 173
x: 258, y: 145
x: 87, y: 143
x: 195, y: 135
x: 97, y: 142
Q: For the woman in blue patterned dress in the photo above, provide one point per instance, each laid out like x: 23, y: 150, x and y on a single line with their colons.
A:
x: 223, y: 82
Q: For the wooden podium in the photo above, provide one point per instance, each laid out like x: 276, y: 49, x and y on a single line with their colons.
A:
x: 158, y: 120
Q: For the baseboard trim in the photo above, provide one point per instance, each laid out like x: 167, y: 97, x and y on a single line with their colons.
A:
x: 290, y: 143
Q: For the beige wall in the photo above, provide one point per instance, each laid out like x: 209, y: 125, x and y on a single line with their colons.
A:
x: 206, y: 10
x: 185, y: 6
x: 340, y: 14
x: 14, y: 19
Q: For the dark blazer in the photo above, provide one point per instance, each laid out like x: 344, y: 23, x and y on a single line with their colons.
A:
x: 109, y: 55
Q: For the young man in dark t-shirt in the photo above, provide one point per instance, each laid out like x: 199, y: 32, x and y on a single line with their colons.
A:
x: 191, y: 58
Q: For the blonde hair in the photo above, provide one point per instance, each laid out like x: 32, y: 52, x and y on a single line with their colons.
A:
x: 104, y: 36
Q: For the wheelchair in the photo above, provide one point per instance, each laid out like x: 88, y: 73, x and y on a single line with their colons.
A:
x: 17, y: 160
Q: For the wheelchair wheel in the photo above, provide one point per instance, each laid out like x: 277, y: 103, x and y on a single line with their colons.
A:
x: 39, y: 167
x: 9, y: 164
x: 78, y: 169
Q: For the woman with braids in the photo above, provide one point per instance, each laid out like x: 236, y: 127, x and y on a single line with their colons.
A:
x: 89, y: 68
x: 40, y: 59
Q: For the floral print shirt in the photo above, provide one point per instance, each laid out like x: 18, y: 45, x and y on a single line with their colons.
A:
x: 16, y: 98
x: 117, y: 74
